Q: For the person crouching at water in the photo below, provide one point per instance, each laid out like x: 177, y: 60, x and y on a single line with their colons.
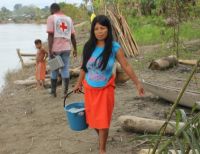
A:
x: 99, y: 55
x: 41, y: 57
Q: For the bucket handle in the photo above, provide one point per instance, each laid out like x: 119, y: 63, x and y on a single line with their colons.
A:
x: 69, y: 93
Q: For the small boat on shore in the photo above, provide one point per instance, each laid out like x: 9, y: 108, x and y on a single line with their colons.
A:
x: 189, y: 98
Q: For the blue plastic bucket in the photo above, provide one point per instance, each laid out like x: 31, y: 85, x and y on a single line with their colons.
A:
x: 75, y: 113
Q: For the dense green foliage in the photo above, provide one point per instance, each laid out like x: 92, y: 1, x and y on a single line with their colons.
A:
x: 148, y: 18
x: 77, y: 14
x: 153, y: 30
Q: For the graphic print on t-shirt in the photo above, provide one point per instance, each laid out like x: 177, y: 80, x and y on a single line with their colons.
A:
x: 95, y: 76
x: 95, y: 73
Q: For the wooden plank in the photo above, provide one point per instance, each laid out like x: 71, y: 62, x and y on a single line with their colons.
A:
x: 27, y: 54
x: 187, y: 62
x: 20, y: 58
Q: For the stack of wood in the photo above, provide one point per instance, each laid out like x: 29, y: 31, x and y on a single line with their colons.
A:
x: 122, y: 33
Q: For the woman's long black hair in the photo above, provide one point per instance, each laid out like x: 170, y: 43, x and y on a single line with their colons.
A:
x: 90, y: 45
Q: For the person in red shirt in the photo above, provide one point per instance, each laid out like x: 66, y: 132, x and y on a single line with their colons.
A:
x: 41, y: 57
x: 61, y: 34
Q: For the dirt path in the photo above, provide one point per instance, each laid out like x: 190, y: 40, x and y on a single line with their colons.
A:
x: 33, y: 122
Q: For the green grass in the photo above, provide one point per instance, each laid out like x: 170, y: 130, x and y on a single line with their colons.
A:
x: 189, y: 52
x: 152, y: 30
x: 80, y: 49
x: 190, y: 30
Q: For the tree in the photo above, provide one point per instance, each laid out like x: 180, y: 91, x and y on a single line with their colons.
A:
x: 4, y: 9
x: 5, y: 14
x: 76, y: 13
x: 17, y: 6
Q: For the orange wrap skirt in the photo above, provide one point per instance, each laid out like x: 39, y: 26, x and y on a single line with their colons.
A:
x: 99, y: 104
x: 40, y: 71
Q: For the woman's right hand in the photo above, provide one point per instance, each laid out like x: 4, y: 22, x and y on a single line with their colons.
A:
x: 77, y: 88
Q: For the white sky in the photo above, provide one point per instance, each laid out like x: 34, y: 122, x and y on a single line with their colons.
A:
x: 40, y: 3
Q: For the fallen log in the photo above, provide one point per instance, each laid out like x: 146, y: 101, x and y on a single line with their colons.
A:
x: 141, y: 125
x: 163, y: 63
x: 28, y: 82
x: 47, y: 76
x: 121, y: 76
x: 74, y: 72
x: 148, y: 151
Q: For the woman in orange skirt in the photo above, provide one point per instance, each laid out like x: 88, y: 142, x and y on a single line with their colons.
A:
x: 99, y: 55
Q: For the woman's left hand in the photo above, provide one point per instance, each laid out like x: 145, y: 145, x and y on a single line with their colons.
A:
x: 140, y: 89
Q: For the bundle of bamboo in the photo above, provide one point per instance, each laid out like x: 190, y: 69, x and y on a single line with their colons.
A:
x: 123, y: 34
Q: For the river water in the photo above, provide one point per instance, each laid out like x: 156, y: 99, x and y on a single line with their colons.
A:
x: 13, y: 36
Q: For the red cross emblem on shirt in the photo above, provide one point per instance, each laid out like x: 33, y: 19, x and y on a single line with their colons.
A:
x: 63, y: 26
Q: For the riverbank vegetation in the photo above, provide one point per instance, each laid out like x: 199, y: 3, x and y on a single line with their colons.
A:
x: 34, y: 14
x: 150, y: 21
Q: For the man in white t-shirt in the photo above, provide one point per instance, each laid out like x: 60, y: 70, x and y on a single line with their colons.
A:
x: 61, y: 34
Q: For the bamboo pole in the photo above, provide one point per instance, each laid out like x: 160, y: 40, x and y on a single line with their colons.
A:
x: 163, y: 128
x: 123, y: 37
x: 131, y: 40
x: 128, y: 35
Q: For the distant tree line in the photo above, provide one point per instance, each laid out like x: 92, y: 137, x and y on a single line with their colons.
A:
x: 33, y: 14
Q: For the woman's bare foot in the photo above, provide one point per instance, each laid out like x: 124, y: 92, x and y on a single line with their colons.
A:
x: 102, y: 152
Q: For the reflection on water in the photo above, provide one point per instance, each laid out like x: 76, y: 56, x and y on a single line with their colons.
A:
x: 17, y: 36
